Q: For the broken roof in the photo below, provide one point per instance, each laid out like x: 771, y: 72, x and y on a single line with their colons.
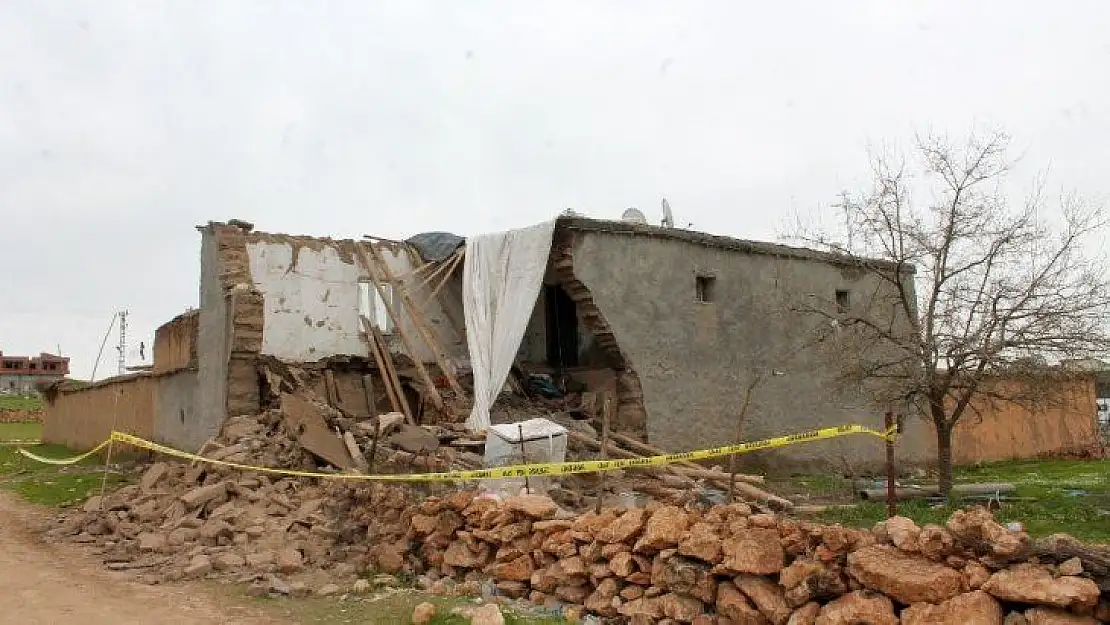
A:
x: 585, y: 224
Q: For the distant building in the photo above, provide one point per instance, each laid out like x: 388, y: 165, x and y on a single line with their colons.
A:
x: 21, y: 375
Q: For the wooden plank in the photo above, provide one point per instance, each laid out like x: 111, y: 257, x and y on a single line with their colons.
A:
x: 456, y: 324
x: 650, y: 450
x: 356, y: 453
x: 372, y: 347
x: 420, y: 321
x: 389, y: 371
x: 368, y: 391
x: 330, y: 390
x: 375, y: 279
x: 307, y: 422
x: 747, y: 490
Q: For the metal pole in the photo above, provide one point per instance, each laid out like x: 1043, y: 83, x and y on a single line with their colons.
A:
x: 523, y: 457
x: 891, y: 491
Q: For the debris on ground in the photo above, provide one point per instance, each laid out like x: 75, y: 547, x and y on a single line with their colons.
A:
x: 673, y: 556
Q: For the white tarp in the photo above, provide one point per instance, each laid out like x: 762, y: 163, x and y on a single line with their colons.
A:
x: 502, y: 276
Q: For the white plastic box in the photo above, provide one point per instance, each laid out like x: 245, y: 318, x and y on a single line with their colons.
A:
x: 528, y: 442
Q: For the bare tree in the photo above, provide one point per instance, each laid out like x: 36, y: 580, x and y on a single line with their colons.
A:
x: 972, y: 286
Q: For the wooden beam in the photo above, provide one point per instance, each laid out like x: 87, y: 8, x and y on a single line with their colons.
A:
x: 458, y: 326
x: 380, y: 351
x: 421, y: 323
x: 650, y: 450
x: 375, y: 278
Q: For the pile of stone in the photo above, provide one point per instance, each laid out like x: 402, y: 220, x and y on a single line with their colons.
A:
x: 656, y: 564
x: 727, y: 565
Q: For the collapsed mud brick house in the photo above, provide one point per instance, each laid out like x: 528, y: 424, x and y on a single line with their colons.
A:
x: 673, y: 325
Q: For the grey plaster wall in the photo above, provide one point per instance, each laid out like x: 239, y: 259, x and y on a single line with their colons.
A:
x: 213, y: 349
x: 176, y: 410
x: 695, y: 359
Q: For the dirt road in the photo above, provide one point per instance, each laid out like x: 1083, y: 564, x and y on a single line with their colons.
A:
x: 42, y: 584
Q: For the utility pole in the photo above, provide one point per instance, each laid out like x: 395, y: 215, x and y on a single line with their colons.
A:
x: 122, y: 347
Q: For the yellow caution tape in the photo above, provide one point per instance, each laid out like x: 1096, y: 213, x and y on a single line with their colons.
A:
x: 65, y: 461
x: 524, y: 470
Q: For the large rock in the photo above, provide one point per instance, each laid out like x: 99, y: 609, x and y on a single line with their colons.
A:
x: 664, y: 529
x: 205, y: 494
x: 681, y: 608
x: 1053, y: 616
x: 766, y: 595
x: 906, y: 578
x: 623, y: 527
x: 978, y: 527
x: 153, y: 475
x: 622, y: 564
x: 488, y: 614
x: 517, y: 570
x: 857, y: 608
x: 649, y: 607
x: 685, y: 576
x: 756, y: 551
x: 533, y: 506
x: 733, y: 604
x: 1034, y: 585
x: 805, y: 615
x: 973, y: 608
x: 460, y: 556
x: 151, y: 542
x: 289, y: 561
x: 901, y: 531
x: 423, y: 613
x: 703, y: 543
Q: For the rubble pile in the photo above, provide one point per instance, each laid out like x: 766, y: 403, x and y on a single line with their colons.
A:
x: 660, y: 563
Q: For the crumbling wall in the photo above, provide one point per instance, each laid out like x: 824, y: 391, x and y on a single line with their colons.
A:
x: 311, y: 292
x: 1062, y: 423
x: 695, y: 359
x: 175, y: 343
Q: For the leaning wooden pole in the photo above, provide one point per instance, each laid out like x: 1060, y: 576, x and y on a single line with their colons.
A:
x: 420, y: 322
x: 425, y: 377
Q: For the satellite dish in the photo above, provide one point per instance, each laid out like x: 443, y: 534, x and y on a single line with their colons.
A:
x: 668, y: 216
x: 633, y: 215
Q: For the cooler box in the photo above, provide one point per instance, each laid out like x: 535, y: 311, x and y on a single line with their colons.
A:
x: 529, y: 442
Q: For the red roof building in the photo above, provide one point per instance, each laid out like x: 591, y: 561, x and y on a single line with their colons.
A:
x: 23, y: 374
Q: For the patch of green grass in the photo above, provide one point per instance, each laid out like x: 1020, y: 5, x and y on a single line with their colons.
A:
x: 388, y: 609
x: 1070, y: 496
x: 20, y: 402
x: 27, y: 431
x: 53, y: 485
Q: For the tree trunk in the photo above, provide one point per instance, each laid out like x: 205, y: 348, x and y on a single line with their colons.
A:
x: 944, y: 459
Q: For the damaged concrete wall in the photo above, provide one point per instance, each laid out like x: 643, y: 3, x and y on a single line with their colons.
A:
x: 696, y: 358
x: 311, y: 298
x: 311, y: 291
x: 213, y: 339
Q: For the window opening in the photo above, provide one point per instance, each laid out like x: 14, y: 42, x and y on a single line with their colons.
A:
x: 705, y: 288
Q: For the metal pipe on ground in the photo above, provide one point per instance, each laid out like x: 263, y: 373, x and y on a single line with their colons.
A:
x: 902, y: 493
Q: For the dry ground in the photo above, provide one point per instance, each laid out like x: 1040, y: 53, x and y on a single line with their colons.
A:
x: 41, y: 584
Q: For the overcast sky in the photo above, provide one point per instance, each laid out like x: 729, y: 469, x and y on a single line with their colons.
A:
x: 125, y: 124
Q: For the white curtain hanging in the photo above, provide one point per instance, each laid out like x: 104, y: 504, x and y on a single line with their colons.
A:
x: 502, y: 276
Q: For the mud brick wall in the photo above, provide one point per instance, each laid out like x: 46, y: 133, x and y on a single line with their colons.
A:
x: 175, y: 343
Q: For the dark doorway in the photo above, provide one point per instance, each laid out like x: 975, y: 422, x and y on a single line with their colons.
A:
x: 562, y: 328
